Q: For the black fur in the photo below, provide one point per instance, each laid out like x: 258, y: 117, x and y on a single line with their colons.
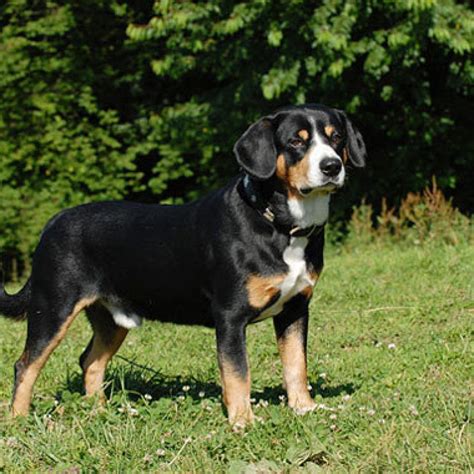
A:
x: 14, y: 307
x: 355, y: 142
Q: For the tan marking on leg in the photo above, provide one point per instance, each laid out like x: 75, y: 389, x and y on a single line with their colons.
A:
x: 97, y: 359
x: 314, y: 275
x: 304, y: 134
x: 293, y: 358
x: 236, y: 394
x: 328, y: 130
x: 24, y: 386
x: 307, y: 291
x: 262, y: 289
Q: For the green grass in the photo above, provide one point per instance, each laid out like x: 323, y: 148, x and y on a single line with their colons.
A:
x: 390, y: 362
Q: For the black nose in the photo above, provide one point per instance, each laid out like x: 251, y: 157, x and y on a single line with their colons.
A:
x: 331, y: 166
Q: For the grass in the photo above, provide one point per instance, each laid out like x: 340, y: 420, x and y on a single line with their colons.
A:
x: 390, y: 363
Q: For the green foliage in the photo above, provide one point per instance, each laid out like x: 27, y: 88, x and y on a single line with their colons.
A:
x: 402, y: 69
x: 58, y: 146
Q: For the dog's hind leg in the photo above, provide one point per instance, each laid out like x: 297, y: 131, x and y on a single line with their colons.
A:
x: 47, y: 326
x: 105, y: 342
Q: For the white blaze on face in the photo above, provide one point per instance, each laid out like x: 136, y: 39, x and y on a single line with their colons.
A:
x: 318, y: 152
x: 314, y: 208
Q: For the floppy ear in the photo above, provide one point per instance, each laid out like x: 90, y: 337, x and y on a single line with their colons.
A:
x: 255, y: 150
x: 355, y: 142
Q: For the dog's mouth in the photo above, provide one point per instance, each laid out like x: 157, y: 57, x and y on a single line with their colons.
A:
x: 326, y: 188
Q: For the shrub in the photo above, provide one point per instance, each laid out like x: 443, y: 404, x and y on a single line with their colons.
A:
x: 421, y: 217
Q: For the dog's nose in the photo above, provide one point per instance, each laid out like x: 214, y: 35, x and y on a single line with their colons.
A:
x: 331, y: 166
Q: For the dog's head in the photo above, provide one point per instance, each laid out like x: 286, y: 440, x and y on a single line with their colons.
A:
x: 306, y: 147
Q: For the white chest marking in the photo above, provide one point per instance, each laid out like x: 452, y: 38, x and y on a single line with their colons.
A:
x: 296, y: 279
x: 127, y: 321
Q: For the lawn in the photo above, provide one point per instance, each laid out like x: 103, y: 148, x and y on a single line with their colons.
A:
x: 390, y: 364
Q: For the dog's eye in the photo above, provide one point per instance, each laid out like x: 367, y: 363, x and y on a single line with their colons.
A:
x: 336, y: 137
x: 296, y: 142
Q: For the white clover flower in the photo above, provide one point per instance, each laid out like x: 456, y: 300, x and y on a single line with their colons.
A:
x: 202, y: 394
x: 371, y: 412
x: 346, y: 398
x: 392, y: 346
x: 186, y: 388
x: 333, y: 417
x: 12, y: 442
x: 147, y: 396
x: 160, y: 452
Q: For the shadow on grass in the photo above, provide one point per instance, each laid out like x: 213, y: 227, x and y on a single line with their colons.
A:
x: 138, y: 380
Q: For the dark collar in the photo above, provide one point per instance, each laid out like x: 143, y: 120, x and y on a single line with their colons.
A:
x: 263, y: 207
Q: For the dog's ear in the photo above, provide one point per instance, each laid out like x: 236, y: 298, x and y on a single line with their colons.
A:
x: 255, y: 150
x: 355, y: 142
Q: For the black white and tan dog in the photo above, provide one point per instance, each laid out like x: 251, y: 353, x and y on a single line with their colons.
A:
x: 249, y: 251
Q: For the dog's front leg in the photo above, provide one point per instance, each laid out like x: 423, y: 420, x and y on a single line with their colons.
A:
x: 235, y: 373
x: 291, y: 328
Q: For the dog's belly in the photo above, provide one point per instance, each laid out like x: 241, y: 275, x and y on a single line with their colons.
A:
x: 130, y: 314
x: 122, y: 317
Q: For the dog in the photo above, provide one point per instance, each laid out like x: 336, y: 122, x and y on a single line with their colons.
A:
x: 248, y: 251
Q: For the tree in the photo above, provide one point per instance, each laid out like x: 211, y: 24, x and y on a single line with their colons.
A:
x: 402, y: 69
x: 65, y: 75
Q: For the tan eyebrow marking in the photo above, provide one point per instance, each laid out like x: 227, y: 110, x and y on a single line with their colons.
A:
x: 328, y: 130
x: 304, y: 134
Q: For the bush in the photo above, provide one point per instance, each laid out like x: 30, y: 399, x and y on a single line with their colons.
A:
x: 420, y: 218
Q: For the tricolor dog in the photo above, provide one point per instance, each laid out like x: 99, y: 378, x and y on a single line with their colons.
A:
x: 249, y: 251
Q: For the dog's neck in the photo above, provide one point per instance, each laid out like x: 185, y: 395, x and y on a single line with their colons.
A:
x: 294, y: 216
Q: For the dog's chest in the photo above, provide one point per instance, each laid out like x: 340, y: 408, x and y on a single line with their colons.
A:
x: 294, y: 281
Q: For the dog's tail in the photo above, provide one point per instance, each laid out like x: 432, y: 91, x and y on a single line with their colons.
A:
x: 14, y: 306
